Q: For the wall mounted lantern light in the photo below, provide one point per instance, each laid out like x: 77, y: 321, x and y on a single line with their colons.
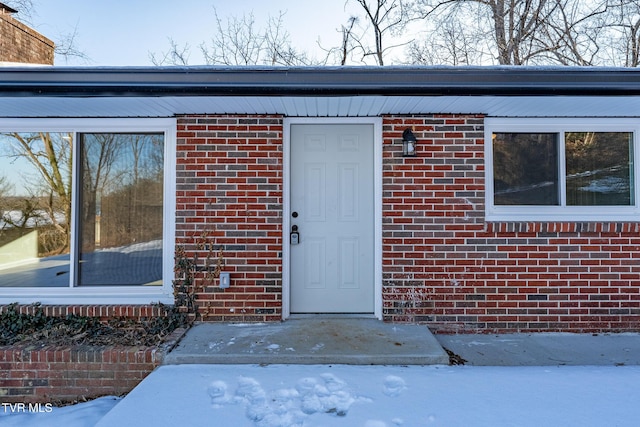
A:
x: 408, y: 143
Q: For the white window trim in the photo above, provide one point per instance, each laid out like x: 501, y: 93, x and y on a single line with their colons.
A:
x: 129, y: 295
x: 495, y: 213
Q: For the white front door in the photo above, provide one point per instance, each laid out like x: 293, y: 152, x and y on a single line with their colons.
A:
x: 332, y: 206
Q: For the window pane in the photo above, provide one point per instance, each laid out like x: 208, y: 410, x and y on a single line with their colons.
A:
x: 120, y: 240
x: 35, y: 209
x: 599, y: 168
x: 525, y: 169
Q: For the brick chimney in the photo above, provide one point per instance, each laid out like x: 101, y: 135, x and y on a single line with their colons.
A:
x: 20, y: 44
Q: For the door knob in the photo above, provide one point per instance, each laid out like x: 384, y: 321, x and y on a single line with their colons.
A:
x: 294, y: 214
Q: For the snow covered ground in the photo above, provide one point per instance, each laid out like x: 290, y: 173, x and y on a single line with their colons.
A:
x: 363, y: 396
x: 80, y: 415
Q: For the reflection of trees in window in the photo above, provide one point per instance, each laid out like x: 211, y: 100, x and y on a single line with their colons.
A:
x: 98, y: 154
x: 122, y: 196
x: 525, y: 169
x: 121, y: 209
x: 43, y: 201
x: 599, y: 168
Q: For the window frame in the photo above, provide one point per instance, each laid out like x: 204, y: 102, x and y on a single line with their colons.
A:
x: 105, y: 294
x: 562, y: 212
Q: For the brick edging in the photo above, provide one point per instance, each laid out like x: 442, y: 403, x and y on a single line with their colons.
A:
x: 51, y: 374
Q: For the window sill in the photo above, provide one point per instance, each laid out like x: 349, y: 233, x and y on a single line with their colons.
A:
x: 83, y: 296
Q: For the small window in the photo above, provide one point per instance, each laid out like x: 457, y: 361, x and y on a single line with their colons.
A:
x: 525, y: 169
x: 561, y: 170
x: 599, y: 168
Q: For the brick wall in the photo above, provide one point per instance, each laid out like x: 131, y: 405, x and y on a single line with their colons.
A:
x: 21, y: 44
x: 37, y: 374
x: 229, y: 186
x: 104, y: 312
x: 49, y: 375
x: 445, y: 266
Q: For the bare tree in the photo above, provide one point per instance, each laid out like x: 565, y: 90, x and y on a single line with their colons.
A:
x: 511, y: 30
x: 176, y: 55
x: 345, y: 48
x: 579, y: 31
x: 5, y: 192
x: 240, y: 41
x: 521, y: 32
x: 629, y: 24
x: 620, y: 41
x: 451, y: 45
x: 66, y: 47
x: 383, y: 18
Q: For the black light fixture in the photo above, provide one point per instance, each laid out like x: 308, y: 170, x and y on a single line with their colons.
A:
x: 409, y: 142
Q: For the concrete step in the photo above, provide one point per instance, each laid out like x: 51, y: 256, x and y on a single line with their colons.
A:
x: 353, y: 341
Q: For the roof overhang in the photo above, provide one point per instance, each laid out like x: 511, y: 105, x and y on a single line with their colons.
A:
x: 317, y: 91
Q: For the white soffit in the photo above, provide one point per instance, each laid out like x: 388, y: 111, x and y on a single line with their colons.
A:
x: 308, y: 106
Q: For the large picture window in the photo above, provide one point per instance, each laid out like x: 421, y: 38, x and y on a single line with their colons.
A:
x: 120, y: 221
x: 83, y: 209
x: 560, y: 170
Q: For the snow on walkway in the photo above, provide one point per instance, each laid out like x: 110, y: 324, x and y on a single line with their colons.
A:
x: 370, y: 396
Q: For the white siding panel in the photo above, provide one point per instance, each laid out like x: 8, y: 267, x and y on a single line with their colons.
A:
x: 496, y: 106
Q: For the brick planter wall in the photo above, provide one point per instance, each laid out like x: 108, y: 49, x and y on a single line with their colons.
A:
x: 30, y: 374
x: 445, y: 266
x: 229, y: 185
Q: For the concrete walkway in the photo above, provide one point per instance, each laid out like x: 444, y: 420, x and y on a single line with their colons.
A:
x: 545, y: 349
x: 358, y: 341
x: 353, y: 341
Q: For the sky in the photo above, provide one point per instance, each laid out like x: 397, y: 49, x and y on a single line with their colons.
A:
x: 124, y: 32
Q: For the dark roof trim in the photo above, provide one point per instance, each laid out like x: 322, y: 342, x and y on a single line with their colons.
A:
x: 317, y: 81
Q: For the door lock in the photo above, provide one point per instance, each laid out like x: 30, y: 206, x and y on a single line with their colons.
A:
x: 294, y: 237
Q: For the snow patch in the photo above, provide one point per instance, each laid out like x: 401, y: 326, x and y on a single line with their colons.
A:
x: 394, y: 386
x: 273, y: 347
x: 135, y: 247
x: 289, y: 407
x: 218, y: 393
x: 317, y: 347
x: 607, y: 185
x: 215, y: 345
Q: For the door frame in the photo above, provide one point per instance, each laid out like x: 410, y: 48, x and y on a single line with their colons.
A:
x: 376, y: 122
